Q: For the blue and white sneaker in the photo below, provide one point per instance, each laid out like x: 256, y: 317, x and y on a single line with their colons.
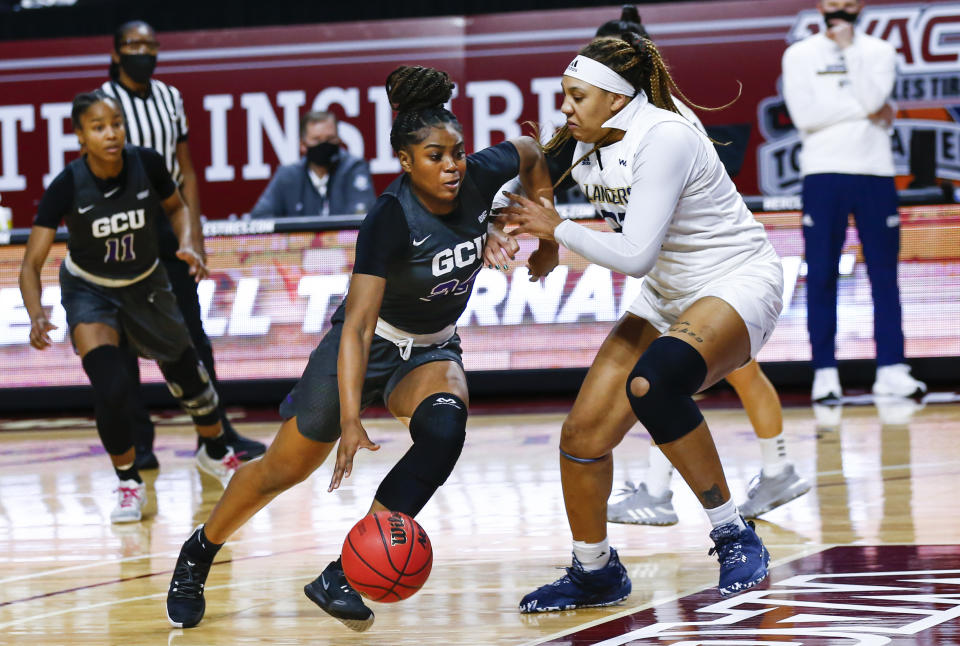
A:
x: 580, y: 588
x: 743, y: 558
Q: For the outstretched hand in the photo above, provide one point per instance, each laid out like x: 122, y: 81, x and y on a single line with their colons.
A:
x: 39, y: 328
x: 499, y: 248
x: 536, y: 219
x: 353, y: 437
x: 197, y: 267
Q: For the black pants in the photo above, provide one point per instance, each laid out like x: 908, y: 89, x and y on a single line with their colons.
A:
x: 185, y: 289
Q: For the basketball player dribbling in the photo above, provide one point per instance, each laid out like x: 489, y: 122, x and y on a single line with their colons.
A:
x: 393, y: 339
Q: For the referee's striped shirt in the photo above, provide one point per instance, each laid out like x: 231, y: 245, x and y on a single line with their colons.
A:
x: 155, y: 121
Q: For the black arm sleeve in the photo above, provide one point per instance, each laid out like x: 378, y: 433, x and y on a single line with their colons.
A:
x: 157, y: 171
x: 383, y: 238
x: 560, y: 162
x: 57, y: 200
x: 493, y: 167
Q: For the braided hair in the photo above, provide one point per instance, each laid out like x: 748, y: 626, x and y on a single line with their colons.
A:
x: 637, y: 60
x: 82, y: 103
x: 418, y: 94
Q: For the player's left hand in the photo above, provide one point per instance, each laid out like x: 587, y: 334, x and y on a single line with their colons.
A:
x: 197, y: 267
x: 499, y: 248
x: 536, y: 219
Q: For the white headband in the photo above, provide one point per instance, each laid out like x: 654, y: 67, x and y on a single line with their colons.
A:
x: 598, y: 75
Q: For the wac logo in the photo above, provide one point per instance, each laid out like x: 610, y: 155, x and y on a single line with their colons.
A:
x: 927, y: 41
x: 118, y: 223
x: 398, y: 531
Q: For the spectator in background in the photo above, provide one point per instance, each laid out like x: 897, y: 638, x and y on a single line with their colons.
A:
x: 836, y: 85
x: 154, y: 117
x: 326, y: 181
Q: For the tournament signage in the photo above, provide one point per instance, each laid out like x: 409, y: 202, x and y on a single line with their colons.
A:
x: 927, y: 39
x: 244, y: 89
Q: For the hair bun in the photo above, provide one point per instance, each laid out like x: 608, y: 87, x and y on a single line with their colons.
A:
x: 412, y: 88
x: 629, y: 13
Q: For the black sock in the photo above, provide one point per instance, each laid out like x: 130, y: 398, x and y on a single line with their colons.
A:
x: 200, y: 547
x: 216, y: 446
x: 129, y: 474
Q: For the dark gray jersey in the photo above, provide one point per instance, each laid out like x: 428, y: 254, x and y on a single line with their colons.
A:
x: 429, y: 290
x: 114, y: 235
x: 431, y: 268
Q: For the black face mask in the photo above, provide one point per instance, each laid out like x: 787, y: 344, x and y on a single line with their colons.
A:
x: 840, y: 14
x: 326, y: 153
x: 139, y: 67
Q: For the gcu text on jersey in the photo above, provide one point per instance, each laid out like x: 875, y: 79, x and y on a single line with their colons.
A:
x: 462, y: 255
x: 118, y: 223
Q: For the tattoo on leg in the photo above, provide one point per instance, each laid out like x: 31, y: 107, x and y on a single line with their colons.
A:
x: 712, y: 497
x: 683, y: 327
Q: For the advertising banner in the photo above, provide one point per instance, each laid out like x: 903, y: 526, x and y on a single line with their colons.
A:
x: 245, y: 89
x: 269, y: 299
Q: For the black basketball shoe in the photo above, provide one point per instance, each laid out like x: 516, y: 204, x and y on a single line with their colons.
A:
x: 243, y: 447
x: 334, y: 595
x: 185, y: 602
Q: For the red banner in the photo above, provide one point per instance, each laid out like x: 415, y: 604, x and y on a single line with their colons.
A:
x: 245, y: 89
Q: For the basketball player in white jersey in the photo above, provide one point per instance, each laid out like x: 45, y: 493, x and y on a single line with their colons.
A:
x: 711, y: 299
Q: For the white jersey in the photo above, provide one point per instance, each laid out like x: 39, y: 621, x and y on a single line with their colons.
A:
x: 830, y: 94
x: 676, y: 215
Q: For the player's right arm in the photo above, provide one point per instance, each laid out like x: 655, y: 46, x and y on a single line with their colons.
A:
x: 362, y: 309
x: 38, y: 248
x: 54, y: 205
x: 382, y: 240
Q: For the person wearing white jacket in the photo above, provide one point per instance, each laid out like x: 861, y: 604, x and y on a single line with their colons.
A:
x: 837, y: 86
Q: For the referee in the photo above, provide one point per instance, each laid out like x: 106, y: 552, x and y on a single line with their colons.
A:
x: 155, y: 119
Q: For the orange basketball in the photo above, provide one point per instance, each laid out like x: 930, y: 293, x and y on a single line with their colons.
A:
x: 387, y: 556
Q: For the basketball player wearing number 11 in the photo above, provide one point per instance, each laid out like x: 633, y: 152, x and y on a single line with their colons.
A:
x: 114, y: 287
x: 393, y: 338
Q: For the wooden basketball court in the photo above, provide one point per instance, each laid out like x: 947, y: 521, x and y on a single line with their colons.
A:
x: 498, y: 529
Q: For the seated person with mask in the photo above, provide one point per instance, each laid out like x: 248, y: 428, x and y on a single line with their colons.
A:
x: 327, y: 180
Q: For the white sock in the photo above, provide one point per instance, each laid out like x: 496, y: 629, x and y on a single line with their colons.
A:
x: 724, y: 515
x: 774, y: 453
x: 659, y: 472
x: 592, y: 556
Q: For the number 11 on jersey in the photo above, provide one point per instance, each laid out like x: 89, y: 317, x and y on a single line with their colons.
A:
x: 119, y: 249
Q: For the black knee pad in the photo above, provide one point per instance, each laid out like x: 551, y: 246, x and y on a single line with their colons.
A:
x: 190, y: 384
x: 675, y: 371
x: 106, y: 367
x: 438, y: 428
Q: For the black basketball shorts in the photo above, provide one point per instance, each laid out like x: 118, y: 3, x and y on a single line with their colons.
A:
x: 315, y: 400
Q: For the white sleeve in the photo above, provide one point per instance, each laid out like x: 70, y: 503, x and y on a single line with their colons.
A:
x: 810, y: 110
x: 872, y: 74
x: 500, y: 200
x: 687, y: 113
x: 661, y: 169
